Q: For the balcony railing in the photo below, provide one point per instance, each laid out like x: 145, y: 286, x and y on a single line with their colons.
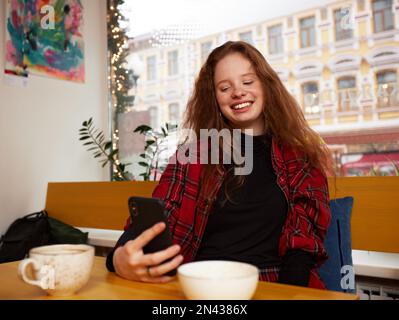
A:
x: 311, y: 103
x: 387, y: 95
x: 347, y: 100
x: 336, y: 105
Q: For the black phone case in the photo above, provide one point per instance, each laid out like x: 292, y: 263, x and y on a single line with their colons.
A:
x: 144, y: 213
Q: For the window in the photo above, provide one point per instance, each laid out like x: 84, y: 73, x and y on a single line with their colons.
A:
x: 173, y: 113
x: 290, y: 22
x: 151, y: 68
x: 259, y: 30
x: 387, y: 89
x: 205, y: 50
x: 163, y: 98
x: 275, y: 34
x: 308, y: 32
x: 360, y: 5
x: 382, y: 15
x: 343, y: 30
x: 347, y: 93
x: 154, y: 117
x: 323, y: 14
x: 310, y: 93
x: 384, y: 54
x: 246, y: 36
x: 173, y: 67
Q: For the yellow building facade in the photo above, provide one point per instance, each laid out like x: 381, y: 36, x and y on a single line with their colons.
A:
x: 339, y: 61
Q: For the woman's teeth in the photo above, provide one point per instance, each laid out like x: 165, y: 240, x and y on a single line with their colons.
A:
x: 242, y: 105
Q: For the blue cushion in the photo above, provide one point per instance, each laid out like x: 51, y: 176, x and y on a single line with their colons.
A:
x: 337, y: 272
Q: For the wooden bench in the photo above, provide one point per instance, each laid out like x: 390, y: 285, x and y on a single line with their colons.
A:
x: 103, y: 205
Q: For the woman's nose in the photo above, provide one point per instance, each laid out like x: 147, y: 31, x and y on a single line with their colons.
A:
x: 237, y: 92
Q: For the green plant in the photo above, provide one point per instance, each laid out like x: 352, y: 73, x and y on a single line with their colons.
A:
x: 153, y: 149
x: 94, y: 139
x: 377, y: 170
x: 396, y: 166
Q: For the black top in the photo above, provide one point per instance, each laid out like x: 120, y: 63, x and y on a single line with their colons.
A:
x: 248, y: 227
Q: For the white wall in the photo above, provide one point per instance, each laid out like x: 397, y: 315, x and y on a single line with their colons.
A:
x: 39, y: 124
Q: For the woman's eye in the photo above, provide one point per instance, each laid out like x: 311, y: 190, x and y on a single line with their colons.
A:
x: 248, y: 82
x: 224, y: 89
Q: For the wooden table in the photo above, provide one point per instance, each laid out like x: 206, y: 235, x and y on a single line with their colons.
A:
x: 107, y: 286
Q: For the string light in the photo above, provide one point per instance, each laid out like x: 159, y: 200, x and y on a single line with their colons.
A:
x: 119, y: 77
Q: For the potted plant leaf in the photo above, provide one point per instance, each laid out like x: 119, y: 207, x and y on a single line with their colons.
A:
x: 154, y: 147
x: 94, y: 139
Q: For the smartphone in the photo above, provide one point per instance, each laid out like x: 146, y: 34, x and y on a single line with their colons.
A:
x: 144, y: 213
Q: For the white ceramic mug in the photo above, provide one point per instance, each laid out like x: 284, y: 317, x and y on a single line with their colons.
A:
x: 60, y: 270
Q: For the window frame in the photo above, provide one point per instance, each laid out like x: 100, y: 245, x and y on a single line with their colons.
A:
x: 203, y: 56
x: 340, y: 107
x: 304, y: 97
x: 176, y: 112
x: 154, y: 123
x: 382, y: 12
x: 308, y: 31
x: 151, y: 69
x: 173, y: 63
x: 277, y: 38
x: 338, y: 30
x: 246, y: 32
x: 378, y: 87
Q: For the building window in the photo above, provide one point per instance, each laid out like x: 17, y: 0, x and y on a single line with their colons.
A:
x: 173, y: 67
x: 154, y: 117
x: 323, y: 14
x: 387, y: 89
x: 360, y: 5
x: 308, y: 32
x: 343, y: 30
x: 275, y: 34
x: 173, y: 113
x: 310, y: 94
x: 151, y: 68
x: 259, y: 30
x: 382, y: 15
x: 290, y: 22
x: 205, y: 50
x: 347, y: 93
x: 246, y: 36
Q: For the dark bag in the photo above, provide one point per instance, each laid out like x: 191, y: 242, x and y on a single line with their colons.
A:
x: 61, y: 232
x: 35, y: 230
x: 24, y: 234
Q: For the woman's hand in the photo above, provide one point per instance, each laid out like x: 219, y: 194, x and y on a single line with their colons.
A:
x: 131, y: 263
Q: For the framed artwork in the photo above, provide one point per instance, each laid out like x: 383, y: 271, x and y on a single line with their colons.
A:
x: 45, y: 37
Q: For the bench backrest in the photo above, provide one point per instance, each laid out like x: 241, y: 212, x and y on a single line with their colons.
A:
x: 374, y: 223
x: 100, y: 205
x: 375, y: 213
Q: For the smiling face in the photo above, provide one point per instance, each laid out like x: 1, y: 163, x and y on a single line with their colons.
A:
x: 239, y: 93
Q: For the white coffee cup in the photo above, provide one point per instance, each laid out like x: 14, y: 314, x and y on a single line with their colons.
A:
x: 60, y: 270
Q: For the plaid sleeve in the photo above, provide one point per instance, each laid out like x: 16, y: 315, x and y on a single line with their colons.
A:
x: 178, y: 187
x: 171, y: 189
x: 309, y: 212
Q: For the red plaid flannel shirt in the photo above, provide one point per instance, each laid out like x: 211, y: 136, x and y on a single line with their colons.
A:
x: 305, y: 189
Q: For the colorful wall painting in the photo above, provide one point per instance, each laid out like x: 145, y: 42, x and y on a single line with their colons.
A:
x: 45, y: 37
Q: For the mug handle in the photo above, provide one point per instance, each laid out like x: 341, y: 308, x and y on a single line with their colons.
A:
x: 46, y: 281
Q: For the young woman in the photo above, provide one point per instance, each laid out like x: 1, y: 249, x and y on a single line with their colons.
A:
x: 275, y: 217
